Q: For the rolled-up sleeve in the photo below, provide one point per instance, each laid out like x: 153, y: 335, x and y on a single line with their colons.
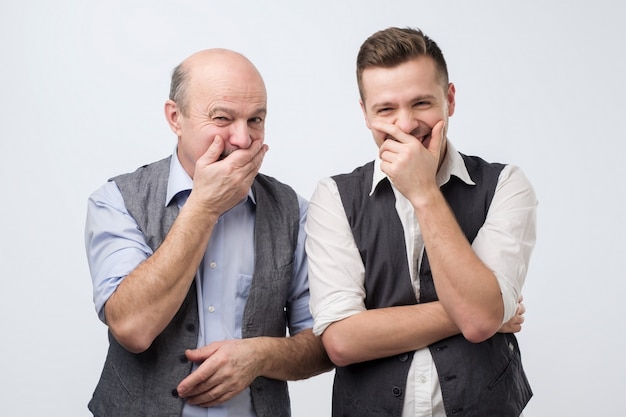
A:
x: 298, y: 313
x: 336, y: 272
x: 507, y: 238
x: 113, y: 242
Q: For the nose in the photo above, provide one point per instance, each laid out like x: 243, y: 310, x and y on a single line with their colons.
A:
x: 407, y: 121
x: 240, y: 135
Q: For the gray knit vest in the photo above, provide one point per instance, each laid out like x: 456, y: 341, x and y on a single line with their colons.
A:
x: 477, y: 379
x: 133, y: 385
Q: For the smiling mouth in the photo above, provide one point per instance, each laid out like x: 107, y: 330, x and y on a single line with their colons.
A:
x: 422, y: 138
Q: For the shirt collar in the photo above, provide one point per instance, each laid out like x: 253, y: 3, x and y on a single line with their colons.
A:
x: 179, y: 181
x: 452, y: 164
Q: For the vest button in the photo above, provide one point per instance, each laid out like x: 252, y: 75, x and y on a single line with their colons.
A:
x: 404, y: 357
x: 183, y: 359
x: 175, y: 393
x: 190, y: 327
x: 396, y: 391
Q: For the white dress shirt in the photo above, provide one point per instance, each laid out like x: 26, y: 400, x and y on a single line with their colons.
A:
x: 336, y: 272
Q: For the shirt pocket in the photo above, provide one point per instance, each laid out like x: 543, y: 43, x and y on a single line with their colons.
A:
x: 244, y: 282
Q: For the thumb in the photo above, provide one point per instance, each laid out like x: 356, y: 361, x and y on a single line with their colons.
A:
x: 214, y: 151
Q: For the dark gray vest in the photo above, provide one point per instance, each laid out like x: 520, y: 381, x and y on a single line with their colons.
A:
x: 144, y: 384
x: 477, y: 379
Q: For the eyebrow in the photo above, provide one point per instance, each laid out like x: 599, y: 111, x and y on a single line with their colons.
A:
x: 414, y: 99
x: 382, y: 105
x: 221, y: 109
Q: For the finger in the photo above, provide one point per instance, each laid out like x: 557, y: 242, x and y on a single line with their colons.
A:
x: 393, y: 131
x: 250, y: 157
x: 201, y: 354
x: 251, y: 168
x: 196, y: 382
x: 387, y: 154
x: 437, y: 137
x: 204, y: 399
x: 203, y: 378
x: 216, y: 395
x: 214, y: 151
x: 258, y: 157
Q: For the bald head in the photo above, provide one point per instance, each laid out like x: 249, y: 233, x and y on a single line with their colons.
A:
x: 208, y: 67
x: 215, y: 92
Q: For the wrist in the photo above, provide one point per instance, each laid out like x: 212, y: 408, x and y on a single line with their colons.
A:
x: 200, y: 211
x: 261, y: 350
x: 426, y: 200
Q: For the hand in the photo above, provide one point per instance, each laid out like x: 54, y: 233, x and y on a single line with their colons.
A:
x: 220, y: 184
x: 515, y: 324
x: 411, y: 162
x: 227, y: 368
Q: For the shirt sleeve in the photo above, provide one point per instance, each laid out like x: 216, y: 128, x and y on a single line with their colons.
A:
x: 507, y: 238
x: 113, y: 242
x: 336, y: 272
x: 298, y: 313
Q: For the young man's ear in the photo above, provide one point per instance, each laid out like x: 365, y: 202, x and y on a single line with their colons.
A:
x: 451, y: 99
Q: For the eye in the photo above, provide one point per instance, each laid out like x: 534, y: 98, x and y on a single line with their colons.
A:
x: 256, y: 122
x: 422, y: 104
x: 221, y: 119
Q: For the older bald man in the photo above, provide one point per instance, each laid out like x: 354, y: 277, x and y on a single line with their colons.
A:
x: 198, y: 262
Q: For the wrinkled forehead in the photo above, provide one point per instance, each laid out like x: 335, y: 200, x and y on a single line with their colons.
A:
x: 227, y: 89
x: 234, y: 101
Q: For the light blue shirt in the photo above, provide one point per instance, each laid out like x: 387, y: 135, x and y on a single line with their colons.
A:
x: 115, y: 247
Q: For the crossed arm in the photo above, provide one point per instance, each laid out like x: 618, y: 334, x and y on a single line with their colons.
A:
x: 352, y: 334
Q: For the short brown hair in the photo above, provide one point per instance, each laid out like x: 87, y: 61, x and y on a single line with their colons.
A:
x: 394, y: 46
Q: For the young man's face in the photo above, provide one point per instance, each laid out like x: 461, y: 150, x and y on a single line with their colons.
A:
x: 409, y: 95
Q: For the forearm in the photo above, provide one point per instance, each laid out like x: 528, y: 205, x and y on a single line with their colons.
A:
x: 148, y: 298
x: 468, y: 290
x: 292, y: 358
x: 384, y: 332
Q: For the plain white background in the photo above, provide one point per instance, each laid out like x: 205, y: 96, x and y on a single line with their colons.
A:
x: 539, y: 84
